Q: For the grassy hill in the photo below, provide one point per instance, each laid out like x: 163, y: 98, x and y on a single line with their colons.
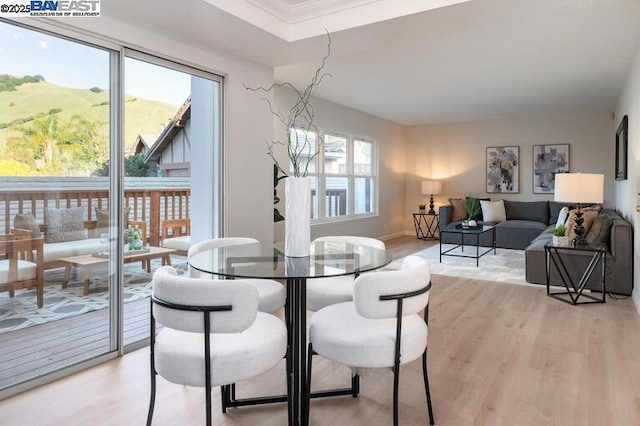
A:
x: 141, y: 115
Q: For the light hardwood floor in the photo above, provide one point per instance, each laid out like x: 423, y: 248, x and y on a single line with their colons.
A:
x: 499, y: 354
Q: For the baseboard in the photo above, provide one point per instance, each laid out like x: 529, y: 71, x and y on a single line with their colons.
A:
x: 397, y: 235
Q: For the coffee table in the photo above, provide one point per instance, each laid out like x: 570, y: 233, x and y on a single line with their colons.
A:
x: 88, y: 261
x: 477, y: 232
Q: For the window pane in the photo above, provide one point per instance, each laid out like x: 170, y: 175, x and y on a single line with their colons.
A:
x: 362, y: 157
x: 335, y: 154
x: 304, y: 149
x: 364, y: 195
x: 314, y: 197
x: 336, y: 196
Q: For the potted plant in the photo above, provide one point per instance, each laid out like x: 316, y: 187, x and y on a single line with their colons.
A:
x: 422, y: 208
x: 472, y: 207
x: 560, y: 237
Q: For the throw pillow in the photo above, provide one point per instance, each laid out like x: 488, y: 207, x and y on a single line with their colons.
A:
x: 600, y: 231
x: 493, y: 211
x: 459, y: 213
x: 588, y: 216
x: 102, y: 220
x: 64, y: 225
x: 28, y: 222
x: 562, y: 216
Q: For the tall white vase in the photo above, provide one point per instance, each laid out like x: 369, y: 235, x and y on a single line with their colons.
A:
x: 297, y: 217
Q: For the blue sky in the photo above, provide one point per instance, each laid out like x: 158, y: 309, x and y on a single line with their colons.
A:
x: 71, y: 64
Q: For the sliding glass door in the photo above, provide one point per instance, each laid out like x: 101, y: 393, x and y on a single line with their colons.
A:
x: 98, y: 148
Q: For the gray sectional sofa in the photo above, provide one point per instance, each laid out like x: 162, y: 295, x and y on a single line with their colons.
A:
x: 529, y: 226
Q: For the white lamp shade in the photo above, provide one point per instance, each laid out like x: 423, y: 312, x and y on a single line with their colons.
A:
x: 431, y: 187
x: 579, y: 187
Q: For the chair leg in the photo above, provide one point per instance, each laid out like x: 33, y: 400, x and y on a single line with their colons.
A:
x: 309, y: 362
x: 396, y: 382
x: 223, y: 400
x: 355, y: 385
x: 152, y: 399
x: 207, y: 395
x: 426, y: 386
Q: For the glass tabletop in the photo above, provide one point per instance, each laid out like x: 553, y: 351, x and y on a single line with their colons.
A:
x: 268, y: 261
x: 471, y: 230
x: 600, y: 247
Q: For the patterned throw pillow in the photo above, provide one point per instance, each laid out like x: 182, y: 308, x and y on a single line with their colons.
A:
x: 64, y: 225
x: 28, y: 222
x: 459, y: 213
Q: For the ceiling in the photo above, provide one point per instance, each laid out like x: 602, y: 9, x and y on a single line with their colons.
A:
x: 463, y: 61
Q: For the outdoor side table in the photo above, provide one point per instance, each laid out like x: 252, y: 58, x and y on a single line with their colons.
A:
x: 426, y: 226
x: 558, y: 256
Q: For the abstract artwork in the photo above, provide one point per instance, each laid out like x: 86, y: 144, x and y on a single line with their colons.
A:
x: 503, y: 169
x: 547, y: 161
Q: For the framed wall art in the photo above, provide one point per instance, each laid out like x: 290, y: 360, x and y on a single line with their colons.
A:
x: 503, y: 169
x: 547, y: 161
x: 621, y: 149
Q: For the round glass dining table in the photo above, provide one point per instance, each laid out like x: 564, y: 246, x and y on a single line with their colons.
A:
x: 268, y: 261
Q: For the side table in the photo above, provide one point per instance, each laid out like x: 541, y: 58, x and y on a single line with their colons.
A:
x: 554, y: 254
x: 426, y: 226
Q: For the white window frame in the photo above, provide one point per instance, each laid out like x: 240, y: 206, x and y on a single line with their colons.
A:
x: 321, y: 175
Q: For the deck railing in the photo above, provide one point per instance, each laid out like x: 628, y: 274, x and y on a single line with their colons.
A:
x: 149, y: 205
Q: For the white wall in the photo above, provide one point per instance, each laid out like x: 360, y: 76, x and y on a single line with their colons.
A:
x: 626, y: 192
x: 455, y: 153
x: 391, y: 151
x: 248, y: 195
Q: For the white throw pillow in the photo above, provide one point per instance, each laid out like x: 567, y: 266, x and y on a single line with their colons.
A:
x: 493, y: 211
x: 562, y: 216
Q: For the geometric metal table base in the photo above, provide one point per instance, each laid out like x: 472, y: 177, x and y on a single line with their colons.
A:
x: 426, y: 226
x: 554, y: 254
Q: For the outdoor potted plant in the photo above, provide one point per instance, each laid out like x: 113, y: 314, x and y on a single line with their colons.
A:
x: 560, y: 237
x: 422, y: 208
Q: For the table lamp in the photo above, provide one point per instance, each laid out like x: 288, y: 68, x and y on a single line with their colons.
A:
x: 431, y: 188
x: 579, y: 188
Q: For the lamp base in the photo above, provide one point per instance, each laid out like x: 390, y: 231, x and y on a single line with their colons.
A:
x: 578, y: 228
x: 431, y: 210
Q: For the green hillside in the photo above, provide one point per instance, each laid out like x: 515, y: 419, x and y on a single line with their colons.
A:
x: 141, y: 116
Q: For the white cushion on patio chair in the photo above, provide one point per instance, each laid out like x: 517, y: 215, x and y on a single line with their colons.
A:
x: 178, y: 243
x: 25, y: 271
x: 322, y: 292
x: 270, y: 293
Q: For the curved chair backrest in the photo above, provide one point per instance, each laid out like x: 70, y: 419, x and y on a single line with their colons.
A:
x: 171, y: 288
x: 365, y: 241
x: 414, y: 275
x: 212, y: 244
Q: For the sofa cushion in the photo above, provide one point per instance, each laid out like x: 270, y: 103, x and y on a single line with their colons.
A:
x: 64, y: 225
x: 554, y: 210
x: 600, y: 231
x: 522, y: 224
x: 28, y: 222
x: 527, y: 210
x: 102, y: 220
x: 459, y: 213
x: 562, y: 216
x: 493, y: 211
x: 54, y: 251
x: 588, y: 214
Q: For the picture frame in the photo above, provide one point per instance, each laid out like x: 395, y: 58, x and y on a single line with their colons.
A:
x: 622, y: 142
x: 548, y: 160
x: 503, y: 169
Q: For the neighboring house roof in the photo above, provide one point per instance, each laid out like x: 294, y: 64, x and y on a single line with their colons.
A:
x: 140, y: 145
x: 176, y: 124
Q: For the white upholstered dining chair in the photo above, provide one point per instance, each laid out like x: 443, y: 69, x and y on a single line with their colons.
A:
x: 271, y: 294
x: 212, y: 335
x: 322, y: 292
x: 381, y: 328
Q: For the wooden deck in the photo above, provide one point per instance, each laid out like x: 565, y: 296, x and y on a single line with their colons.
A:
x: 35, y: 351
